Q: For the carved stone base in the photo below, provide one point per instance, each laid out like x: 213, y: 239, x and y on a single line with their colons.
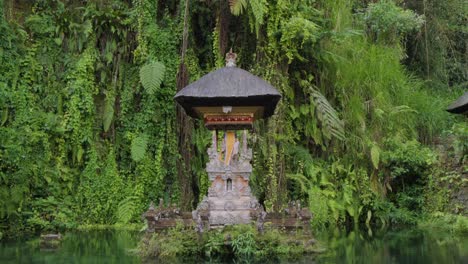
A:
x: 205, y: 218
x: 230, y: 209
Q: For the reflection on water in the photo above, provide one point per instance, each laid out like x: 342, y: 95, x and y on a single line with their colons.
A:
x: 404, y: 246
x: 76, y: 247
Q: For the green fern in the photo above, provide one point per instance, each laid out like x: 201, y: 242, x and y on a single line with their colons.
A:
x: 108, y: 113
x: 237, y: 6
x: 331, y: 123
x: 4, y: 116
x: 301, y: 179
x: 375, y: 155
x: 138, y: 148
x: 126, y: 209
x: 259, y: 10
x: 151, y: 76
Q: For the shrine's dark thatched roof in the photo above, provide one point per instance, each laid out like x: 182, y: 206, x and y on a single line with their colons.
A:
x: 228, y: 86
x: 460, y: 105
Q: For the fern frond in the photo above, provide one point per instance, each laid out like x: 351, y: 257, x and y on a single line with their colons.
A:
x: 375, y: 155
x: 331, y: 123
x: 301, y: 179
x: 299, y: 153
x: 151, y: 76
x: 138, y: 148
x: 259, y: 10
x: 126, y: 209
x: 4, y: 116
x: 108, y: 113
x: 402, y: 109
x: 237, y: 6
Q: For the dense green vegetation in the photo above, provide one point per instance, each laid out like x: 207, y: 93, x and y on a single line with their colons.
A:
x: 90, y: 134
x: 241, y: 242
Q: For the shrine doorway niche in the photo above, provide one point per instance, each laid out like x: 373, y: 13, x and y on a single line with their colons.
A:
x: 229, y: 185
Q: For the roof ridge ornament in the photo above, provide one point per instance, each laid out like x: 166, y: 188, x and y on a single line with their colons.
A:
x: 231, y: 59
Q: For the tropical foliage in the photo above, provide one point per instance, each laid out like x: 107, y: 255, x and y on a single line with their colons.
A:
x: 90, y: 134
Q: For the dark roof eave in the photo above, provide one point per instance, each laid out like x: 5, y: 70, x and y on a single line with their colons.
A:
x: 269, y: 102
x: 460, y: 105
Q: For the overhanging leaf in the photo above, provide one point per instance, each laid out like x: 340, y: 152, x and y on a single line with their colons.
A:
x: 237, y: 6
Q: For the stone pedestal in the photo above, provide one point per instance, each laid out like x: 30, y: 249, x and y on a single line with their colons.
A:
x: 229, y: 200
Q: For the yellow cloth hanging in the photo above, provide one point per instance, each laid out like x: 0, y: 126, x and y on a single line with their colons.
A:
x: 230, y: 140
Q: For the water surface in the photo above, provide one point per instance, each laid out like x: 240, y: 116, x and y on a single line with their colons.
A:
x: 404, y: 246
x: 413, y: 246
x: 97, y: 246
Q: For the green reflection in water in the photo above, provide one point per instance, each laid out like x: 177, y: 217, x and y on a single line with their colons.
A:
x: 77, y: 247
x: 403, y: 246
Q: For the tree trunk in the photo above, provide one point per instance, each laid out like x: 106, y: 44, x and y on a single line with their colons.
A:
x: 184, y: 129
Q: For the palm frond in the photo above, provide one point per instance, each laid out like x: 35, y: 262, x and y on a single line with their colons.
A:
x: 237, y: 6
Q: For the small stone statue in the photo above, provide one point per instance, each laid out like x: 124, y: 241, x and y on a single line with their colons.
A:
x: 199, y: 224
x: 157, y: 216
x: 261, y: 219
x: 198, y: 221
x: 151, y: 207
x: 151, y: 215
x: 231, y: 58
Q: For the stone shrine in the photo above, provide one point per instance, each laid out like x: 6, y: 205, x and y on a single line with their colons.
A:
x: 229, y: 199
x: 228, y: 100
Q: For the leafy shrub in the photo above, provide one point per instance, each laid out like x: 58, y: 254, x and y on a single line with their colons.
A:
x: 298, y: 30
x: 50, y: 214
x: 407, y: 161
x: 244, y: 244
x: 240, y: 241
x: 214, y: 245
x: 457, y: 224
x: 460, y: 131
x: 387, y: 22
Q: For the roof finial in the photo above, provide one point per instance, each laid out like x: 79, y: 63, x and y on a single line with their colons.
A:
x: 231, y: 58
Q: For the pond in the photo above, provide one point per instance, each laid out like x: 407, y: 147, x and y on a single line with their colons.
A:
x: 403, y: 246
x: 97, y: 246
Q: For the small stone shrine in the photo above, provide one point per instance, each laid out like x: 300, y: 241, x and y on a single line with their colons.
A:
x: 229, y: 200
x: 229, y: 100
